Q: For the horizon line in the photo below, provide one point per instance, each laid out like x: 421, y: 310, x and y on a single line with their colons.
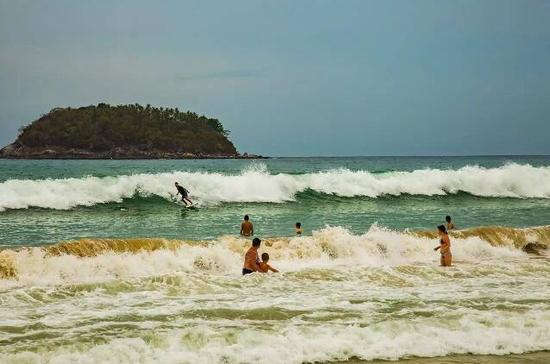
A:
x: 411, y: 156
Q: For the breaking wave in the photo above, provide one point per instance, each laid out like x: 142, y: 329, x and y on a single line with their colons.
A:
x: 258, y: 185
x: 91, y: 260
x: 294, y: 344
x: 341, y: 296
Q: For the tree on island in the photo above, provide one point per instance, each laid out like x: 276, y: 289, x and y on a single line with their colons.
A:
x: 133, y: 128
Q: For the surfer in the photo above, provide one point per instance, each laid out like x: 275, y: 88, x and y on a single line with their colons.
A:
x: 450, y: 225
x: 264, y: 267
x: 251, y: 260
x: 184, y: 194
x: 444, y: 247
x: 247, y: 228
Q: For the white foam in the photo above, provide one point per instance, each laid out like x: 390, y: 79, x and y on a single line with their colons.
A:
x: 474, y: 307
x: 332, y: 248
x: 257, y: 185
x: 390, y: 339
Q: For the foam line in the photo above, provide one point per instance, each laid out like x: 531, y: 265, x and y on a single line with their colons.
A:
x: 258, y: 185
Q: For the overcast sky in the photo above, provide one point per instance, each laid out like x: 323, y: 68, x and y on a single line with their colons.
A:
x: 295, y: 77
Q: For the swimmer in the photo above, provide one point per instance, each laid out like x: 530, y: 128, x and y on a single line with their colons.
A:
x: 251, y: 260
x: 298, y: 228
x: 264, y: 267
x: 450, y: 225
x: 247, y: 228
x: 444, y: 246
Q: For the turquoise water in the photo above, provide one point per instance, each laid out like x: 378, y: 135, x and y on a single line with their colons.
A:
x: 149, y: 281
x: 42, y: 213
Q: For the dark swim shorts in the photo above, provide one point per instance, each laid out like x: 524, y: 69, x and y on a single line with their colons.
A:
x: 247, y: 271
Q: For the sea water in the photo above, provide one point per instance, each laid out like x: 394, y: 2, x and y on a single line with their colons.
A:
x: 100, y: 264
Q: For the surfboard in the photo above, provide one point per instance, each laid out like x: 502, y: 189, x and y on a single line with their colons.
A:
x: 193, y: 205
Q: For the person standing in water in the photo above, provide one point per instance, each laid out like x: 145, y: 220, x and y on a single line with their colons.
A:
x: 298, y: 228
x: 184, y: 194
x: 251, y: 259
x: 247, y: 228
x: 444, y: 246
x: 450, y: 225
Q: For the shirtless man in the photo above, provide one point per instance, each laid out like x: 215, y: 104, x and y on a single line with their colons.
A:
x: 444, y: 247
x: 450, y: 225
x: 247, y: 229
x: 251, y: 260
x: 298, y: 229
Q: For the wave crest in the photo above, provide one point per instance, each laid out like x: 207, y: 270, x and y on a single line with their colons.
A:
x: 89, y: 260
x: 258, y: 185
x: 538, y: 236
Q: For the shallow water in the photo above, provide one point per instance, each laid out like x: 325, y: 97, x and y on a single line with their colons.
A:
x: 144, y: 281
x: 531, y: 358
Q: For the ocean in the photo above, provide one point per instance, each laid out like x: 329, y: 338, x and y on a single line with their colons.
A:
x: 99, y: 263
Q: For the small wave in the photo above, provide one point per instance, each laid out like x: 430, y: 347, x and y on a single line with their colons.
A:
x: 387, y: 340
x: 91, y: 260
x: 258, y: 185
x: 501, y: 235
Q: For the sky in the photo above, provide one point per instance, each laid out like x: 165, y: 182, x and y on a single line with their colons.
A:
x: 298, y: 77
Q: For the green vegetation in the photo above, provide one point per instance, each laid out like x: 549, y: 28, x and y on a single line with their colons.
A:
x: 131, y: 128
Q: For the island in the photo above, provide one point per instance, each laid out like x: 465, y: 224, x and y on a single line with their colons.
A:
x: 131, y: 131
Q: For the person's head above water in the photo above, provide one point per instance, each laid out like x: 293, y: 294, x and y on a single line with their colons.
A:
x: 177, y: 184
x: 442, y: 229
x: 256, y: 242
x: 448, y: 218
x: 298, y: 225
x: 246, y: 218
x: 265, y: 257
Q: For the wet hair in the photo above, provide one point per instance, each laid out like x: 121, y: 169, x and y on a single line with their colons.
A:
x: 298, y: 224
x: 256, y: 242
x: 176, y: 183
x: 246, y: 218
x: 448, y: 218
x: 265, y: 257
x: 442, y: 229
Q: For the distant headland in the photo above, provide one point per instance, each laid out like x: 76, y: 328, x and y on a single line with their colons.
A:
x: 132, y: 131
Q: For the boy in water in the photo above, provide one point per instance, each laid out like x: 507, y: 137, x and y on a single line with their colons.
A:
x: 247, y: 229
x: 264, y: 267
x: 184, y: 194
x: 450, y: 225
x: 298, y: 228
